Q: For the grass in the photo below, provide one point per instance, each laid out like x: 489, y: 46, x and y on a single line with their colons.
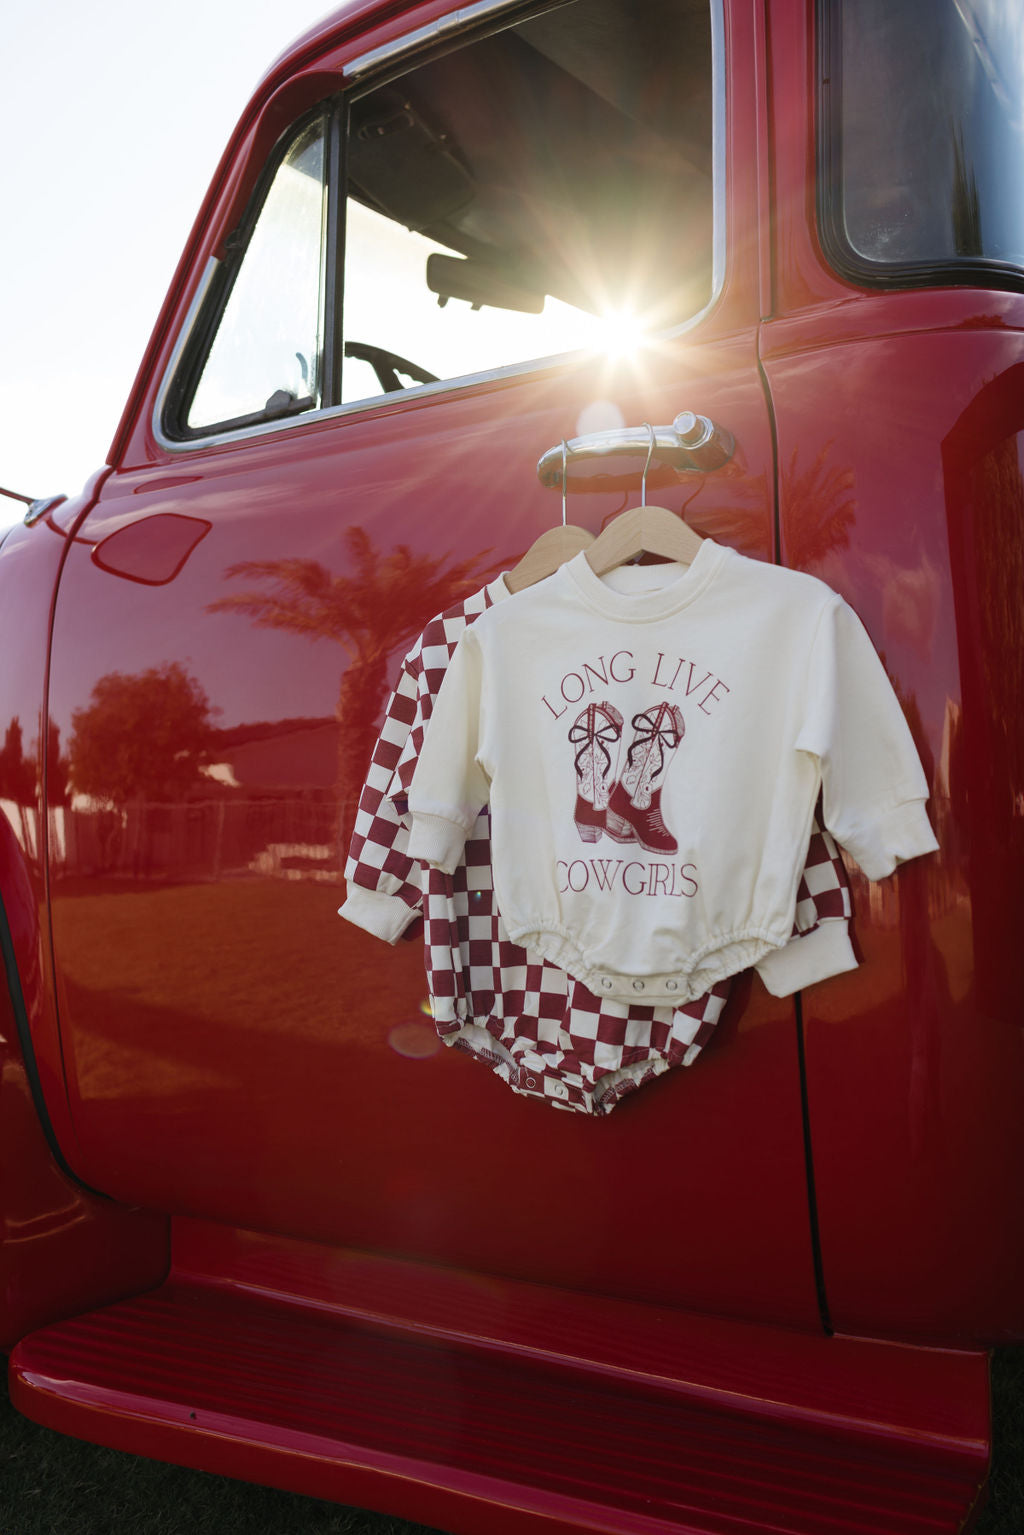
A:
x: 1005, y: 1512
x: 51, y: 1485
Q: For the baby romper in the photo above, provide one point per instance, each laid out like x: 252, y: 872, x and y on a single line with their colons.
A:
x: 544, y: 1034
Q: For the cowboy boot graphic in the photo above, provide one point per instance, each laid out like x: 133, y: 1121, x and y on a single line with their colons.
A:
x: 634, y: 804
x: 595, y: 733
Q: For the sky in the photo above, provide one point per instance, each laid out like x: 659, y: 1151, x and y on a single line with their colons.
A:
x: 113, y: 116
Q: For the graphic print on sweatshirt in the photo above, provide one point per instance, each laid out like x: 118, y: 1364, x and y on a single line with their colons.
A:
x: 627, y: 808
x: 622, y: 764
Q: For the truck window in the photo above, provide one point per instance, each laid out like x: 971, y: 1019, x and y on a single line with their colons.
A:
x: 922, y: 137
x: 546, y: 188
x: 265, y: 353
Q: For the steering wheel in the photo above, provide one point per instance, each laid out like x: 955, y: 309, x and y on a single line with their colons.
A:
x: 388, y: 365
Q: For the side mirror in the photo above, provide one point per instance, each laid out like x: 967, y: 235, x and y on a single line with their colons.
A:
x: 479, y: 284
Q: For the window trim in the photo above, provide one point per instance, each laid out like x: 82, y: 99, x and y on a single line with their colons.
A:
x: 203, y: 320
x: 366, y: 72
x: 437, y: 37
x: 839, y: 253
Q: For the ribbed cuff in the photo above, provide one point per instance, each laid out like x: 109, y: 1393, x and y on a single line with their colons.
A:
x: 808, y: 958
x: 385, y: 916
x: 436, y: 841
x: 904, y: 832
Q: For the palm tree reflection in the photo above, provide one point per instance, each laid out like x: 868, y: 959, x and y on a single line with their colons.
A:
x: 380, y: 604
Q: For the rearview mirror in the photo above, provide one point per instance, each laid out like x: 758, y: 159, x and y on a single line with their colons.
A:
x: 479, y: 284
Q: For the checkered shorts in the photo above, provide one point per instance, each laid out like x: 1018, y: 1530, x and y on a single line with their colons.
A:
x: 540, y: 1030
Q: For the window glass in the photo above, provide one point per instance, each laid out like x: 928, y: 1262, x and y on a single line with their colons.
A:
x: 545, y: 189
x: 928, y: 136
x: 385, y: 281
x: 265, y: 357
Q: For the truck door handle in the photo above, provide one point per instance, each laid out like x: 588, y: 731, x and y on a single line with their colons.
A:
x: 692, y: 443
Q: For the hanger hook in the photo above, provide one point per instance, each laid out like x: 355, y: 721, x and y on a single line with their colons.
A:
x: 647, y: 465
x: 565, y: 476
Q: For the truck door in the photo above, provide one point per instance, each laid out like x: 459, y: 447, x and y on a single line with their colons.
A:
x: 431, y: 254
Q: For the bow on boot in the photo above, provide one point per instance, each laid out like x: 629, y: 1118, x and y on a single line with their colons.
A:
x: 595, y: 732
x: 634, y: 805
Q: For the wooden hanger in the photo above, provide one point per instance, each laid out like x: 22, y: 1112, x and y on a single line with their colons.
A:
x: 551, y: 550
x: 546, y: 554
x: 643, y: 530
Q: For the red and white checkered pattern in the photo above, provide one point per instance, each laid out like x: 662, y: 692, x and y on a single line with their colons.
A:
x: 539, y: 1029
x: 542, y: 1031
x: 823, y: 894
x: 376, y: 857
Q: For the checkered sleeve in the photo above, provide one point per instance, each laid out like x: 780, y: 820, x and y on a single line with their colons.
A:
x: 450, y: 787
x: 384, y: 885
x: 384, y: 892
x: 820, y: 942
x: 438, y: 644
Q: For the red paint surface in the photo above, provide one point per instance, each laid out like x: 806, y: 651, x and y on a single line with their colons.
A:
x: 61, y: 1248
x: 900, y: 421
x: 29, y: 564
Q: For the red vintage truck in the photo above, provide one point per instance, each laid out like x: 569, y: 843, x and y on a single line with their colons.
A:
x: 255, y: 1218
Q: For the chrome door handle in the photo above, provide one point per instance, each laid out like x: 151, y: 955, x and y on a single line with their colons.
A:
x: 692, y: 443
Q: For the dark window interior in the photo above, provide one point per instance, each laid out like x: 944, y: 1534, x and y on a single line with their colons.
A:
x: 922, y: 122
x: 571, y: 154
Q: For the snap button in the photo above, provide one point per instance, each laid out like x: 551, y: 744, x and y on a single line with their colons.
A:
x: 531, y: 1082
x: 671, y: 985
x: 638, y: 985
x: 606, y: 983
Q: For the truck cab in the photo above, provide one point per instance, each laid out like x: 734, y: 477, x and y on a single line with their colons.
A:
x: 263, y: 1222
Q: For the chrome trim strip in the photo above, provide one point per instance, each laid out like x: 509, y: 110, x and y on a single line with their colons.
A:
x: 535, y: 366
x: 719, y: 79
x: 434, y: 32
x: 174, y: 361
x: 354, y: 407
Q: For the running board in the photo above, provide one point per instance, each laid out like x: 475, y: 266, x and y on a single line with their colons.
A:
x: 492, y: 1407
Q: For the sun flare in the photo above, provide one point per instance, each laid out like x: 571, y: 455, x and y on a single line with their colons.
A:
x: 621, y: 333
